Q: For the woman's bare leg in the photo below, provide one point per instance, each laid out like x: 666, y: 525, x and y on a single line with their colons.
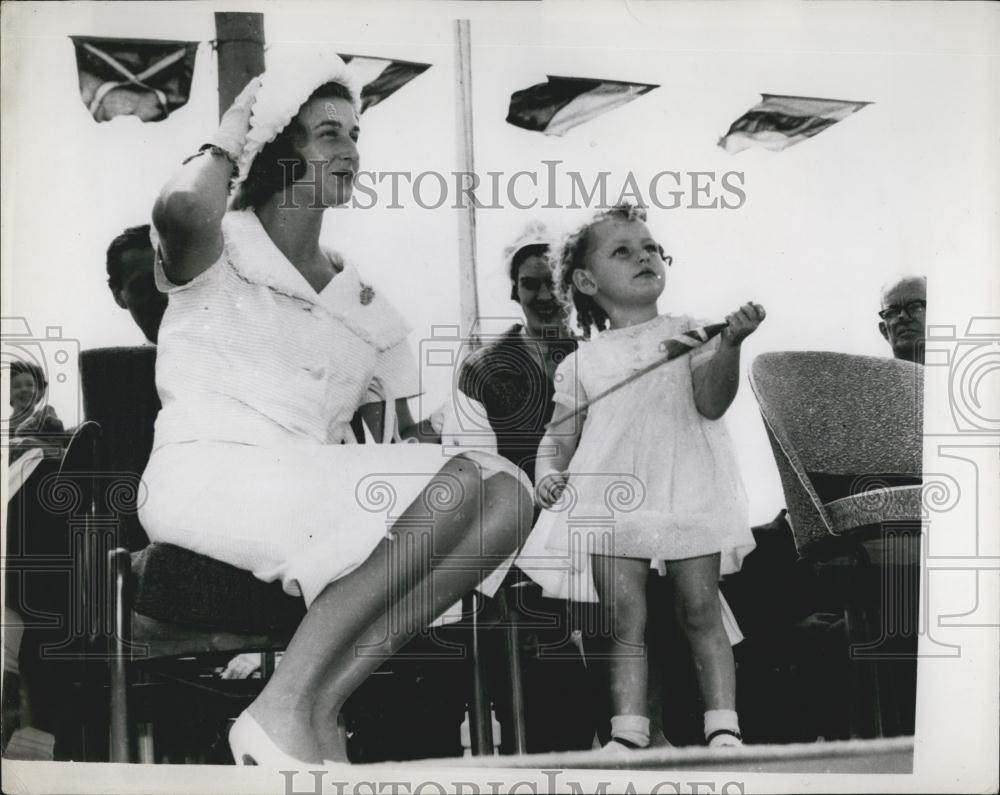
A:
x: 466, y: 565
x: 696, y: 592
x: 621, y: 588
x: 320, y: 669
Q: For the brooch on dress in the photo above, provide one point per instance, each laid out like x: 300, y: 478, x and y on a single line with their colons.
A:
x: 367, y: 294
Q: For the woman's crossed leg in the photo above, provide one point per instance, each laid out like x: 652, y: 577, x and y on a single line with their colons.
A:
x: 460, y: 528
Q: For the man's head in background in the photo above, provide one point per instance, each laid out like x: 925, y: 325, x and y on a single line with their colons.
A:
x: 902, y: 323
x: 531, y: 286
x: 130, y: 277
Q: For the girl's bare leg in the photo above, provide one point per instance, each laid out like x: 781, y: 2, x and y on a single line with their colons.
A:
x: 322, y: 666
x: 621, y: 588
x: 696, y: 597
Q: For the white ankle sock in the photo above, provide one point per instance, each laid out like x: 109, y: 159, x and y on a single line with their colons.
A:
x: 722, y: 727
x: 633, y: 728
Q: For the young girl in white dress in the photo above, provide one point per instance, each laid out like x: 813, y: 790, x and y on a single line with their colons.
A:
x: 646, y: 474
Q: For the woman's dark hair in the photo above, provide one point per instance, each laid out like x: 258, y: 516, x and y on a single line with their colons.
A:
x: 573, y: 257
x: 534, y: 250
x: 17, y: 367
x: 279, y: 163
x: 135, y: 237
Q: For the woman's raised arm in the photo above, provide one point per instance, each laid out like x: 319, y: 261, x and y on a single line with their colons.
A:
x: 188, y: 212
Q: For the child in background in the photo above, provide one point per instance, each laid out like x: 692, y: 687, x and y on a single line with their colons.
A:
x: 33, y: 422
x: 686, y: 510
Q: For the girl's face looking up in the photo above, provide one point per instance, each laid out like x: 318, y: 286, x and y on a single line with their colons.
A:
x: 624, y: 266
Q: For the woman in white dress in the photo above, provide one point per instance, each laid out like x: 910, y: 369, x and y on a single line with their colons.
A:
x: 269, y: 346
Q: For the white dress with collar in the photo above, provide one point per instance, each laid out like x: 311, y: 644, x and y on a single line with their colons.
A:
x: 259, y: 376
x: 651, y: 478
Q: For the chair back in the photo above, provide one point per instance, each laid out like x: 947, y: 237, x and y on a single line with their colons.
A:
x: 837, y: 422
x: 119, y: 394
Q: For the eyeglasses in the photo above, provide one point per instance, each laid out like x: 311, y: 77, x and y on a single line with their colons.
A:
x: 912, y: 308
x: 533, y: 284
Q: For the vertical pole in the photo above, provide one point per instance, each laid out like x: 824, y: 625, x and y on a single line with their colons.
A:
x: 512, y: 646
x: 118, y: 744
x: 468, y: 289
x: 240, y: 46
x: 480, y: 723
x: 480, y: 717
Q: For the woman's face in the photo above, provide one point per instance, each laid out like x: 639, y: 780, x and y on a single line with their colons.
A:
x: 535, y: 293
x: 328, y: 143
x: 22, y: 393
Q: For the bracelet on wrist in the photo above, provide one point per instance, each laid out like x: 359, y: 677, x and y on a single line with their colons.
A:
x: 215, y: 149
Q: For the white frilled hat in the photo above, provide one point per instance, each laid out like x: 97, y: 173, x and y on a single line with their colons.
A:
x: 292, y: 75
x: 534, y: 234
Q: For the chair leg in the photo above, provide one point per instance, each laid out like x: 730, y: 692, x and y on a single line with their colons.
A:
x: 892, y: 592
x: 480, y: 719
x: 866, y: 698
x: 512, y: 638
x: 118, y: 747
x: 144, y: 737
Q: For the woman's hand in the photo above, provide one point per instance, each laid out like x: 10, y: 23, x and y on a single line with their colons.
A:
x: 341, y: 433
x: 550, y: 488
x: 742, y: 323
x: 438, y: 418
x: 242, y: 666
x: 36, y: 422
x: 235, y: 123
x: 32, y: 424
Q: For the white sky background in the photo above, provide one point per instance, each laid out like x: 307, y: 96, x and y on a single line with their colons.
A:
x: 902, y: 186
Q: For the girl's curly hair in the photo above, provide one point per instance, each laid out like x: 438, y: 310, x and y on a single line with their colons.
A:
x: 572, y: 256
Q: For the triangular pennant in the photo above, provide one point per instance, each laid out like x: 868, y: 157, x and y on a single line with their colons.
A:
x: 777, y: 122
x: 134, y: 77
x: 382, y: 77
x: 556, y: 106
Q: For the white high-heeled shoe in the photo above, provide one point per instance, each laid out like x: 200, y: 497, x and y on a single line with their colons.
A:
x: 251, y: 746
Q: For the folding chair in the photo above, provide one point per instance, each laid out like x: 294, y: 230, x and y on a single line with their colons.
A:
x: 160, y: 602
x: 163, y: 603
x: 846, y: 432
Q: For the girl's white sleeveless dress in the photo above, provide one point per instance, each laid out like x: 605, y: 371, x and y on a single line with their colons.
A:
x: 259, y: 376
x: 651, y: 477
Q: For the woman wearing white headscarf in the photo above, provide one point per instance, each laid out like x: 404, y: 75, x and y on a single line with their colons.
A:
x: 269, y: 346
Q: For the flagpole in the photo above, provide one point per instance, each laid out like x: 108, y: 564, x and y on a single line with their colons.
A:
x: 480, y: 722
x: 239, y: 40
x: 468, y: 295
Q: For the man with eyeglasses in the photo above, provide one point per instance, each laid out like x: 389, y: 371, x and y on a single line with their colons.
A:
x: 902, y: 318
